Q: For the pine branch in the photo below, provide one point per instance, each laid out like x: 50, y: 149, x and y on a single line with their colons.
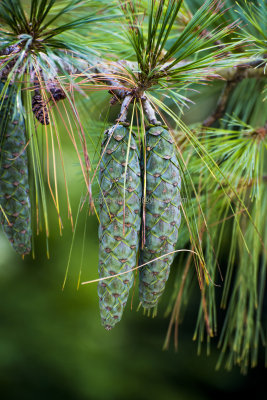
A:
x: 237, y: 76
x: 219, y: 111
x: 233, y: 77
x: 249, y: 69
x: 103, y: 71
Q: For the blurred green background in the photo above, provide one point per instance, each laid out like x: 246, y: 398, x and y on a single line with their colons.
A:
x: 52, y: 344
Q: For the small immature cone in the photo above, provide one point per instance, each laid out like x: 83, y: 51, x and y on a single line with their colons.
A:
x: 14, y: 179
x: 39, y: 109
x: 162, y: 215
x: 40, y: 105
x: 120, y: 208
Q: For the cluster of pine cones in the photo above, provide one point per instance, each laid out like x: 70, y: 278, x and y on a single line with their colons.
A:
x: 139, y: 218
x: 139, y: 206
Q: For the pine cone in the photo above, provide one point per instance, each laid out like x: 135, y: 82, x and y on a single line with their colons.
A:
x: 14, y: 183
x: 119, y: 222
x: 39, y: 109
x: 162, y: 215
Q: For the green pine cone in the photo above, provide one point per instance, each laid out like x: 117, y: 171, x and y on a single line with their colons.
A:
x: 162, y: 215
x: 14, y: 183
x: 120, y: 222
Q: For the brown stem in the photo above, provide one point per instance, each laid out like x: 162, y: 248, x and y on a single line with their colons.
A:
x: 219, y: 111
x: 248, y: 71
x: 149, y: 111
x: 233, y: 79
x: 124, y: 108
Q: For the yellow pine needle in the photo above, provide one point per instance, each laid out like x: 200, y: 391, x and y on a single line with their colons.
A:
x: 139, y: 266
